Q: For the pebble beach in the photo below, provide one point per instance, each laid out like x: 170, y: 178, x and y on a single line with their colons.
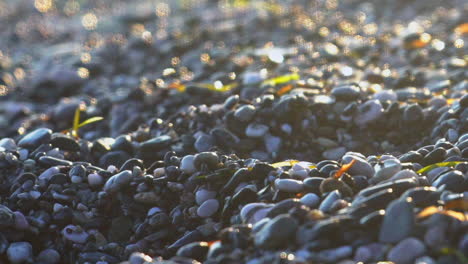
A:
x: 233, y: 131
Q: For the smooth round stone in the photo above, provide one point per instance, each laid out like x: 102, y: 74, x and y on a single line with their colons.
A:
x: 35, y: 138
x: 425, y: 260
x: 245, y: 113
x: 335, y: 254
x: 435, y: 237
x: 49, y: 256
x: 208, y: 158
x: 194, y: 250
x: 250, y: 209
x: 8, y: 144
x: 95, y: 179
x: 346, y: 92
x: 404, y: 174
x: 187, y: 164
x: 20, y: 252
x: 74, y: 234
x: 328, y: 202
x: 252, y: 78
x: 204, y: 143
x: 368, y: 112
x: 334, y: 153
x: 326, y: 143
x: 386, y: 95
x: 272, y: 143
x: 433, y: 174
x: 289, y: 185
x: 407, y: 251
x: 76, y: 179
x: 277, y: 232
x: 49, y: 173
x: 139, y: 258
x: 302, y: 174
x: 255, y: 130
x: 149, y: 198
x: 398, y: 221
x: 286, y: 128
x: 389, y: 168
x: 116, y: 182
x: 259, y: 215
x: 453, y: 181
x: 231, y: 101
x: 20, y: 221
x: 202, y: 195
x: 371, y: 252
x: 156, y: 144
x: 413, y: 114
x: 302, y: 165
x: 360, y: 167
x: 153, y: 211
x: 208, y: 208
x: 23, y: 154
x: 311, y: 200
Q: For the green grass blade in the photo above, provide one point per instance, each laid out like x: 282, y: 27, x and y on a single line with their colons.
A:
x: 90, y: 121
x: 438, y: 165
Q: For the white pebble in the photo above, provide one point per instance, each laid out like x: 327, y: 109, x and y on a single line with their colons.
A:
x: 187, y: 165
x: 289, y: 185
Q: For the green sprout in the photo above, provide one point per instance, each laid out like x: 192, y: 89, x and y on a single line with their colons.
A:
x: 77, y: 124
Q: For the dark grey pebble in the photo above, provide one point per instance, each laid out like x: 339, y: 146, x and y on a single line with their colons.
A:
x: 195, y: 250
x: 398, y: 221
x: 277, y: 232
x: 453, y: 180
x: 35, y: 138
x: 118, y: 181
x: 406, y: 251
x: 156, y: 144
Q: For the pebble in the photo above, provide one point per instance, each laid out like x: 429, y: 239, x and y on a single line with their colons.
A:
x: 389, y: 168
x: 245, y: 113
x: 255, y: 130
x: 35, y: 138
x: 202, y: 195
x: 398, y: 221
x: 289, y: 185
x: 277, y: 232
x: 187, y: 164
x: 335, y: 254
x: 360, y: 167
x: 118, y: 181
x: 311, y: 200
x: 75, y: 234
x: 368, y: 112
x: 95, y: 179
x: 49, y: 256
x: 20, y: 252
x: 208, y: 208
x: 406, y: 251
x: 204, y: 143
x: 272, y: 143
x: 334, y: 153
x: 177, y: 162
x: 385, y: 95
